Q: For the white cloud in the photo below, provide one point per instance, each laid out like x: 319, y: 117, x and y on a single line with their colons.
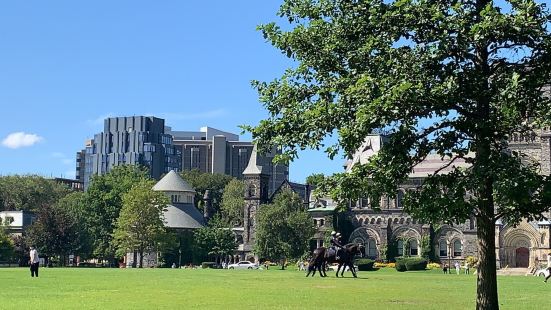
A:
x: 20, y: 139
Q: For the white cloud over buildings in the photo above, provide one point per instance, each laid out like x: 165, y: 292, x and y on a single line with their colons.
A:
x: 21, y: 139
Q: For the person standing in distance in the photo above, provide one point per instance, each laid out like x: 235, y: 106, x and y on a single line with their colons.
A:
x: 34, y: 261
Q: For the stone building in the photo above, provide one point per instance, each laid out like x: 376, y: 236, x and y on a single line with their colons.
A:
x: 391, y: 229
x: 180, y: 215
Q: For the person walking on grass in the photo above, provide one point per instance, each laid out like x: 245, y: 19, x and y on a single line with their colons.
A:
x: 34, y: 261
x: 457, y: 267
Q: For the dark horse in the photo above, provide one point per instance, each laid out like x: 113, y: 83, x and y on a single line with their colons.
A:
x: 322, y: 256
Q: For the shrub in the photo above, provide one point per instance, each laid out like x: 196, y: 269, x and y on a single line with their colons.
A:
x: 364, y: 264
x: 401, y: 264
x: 434, y: 266
x: 410, y: 263
x: 206, y: 265
x: 471, y: 261
x: 414, y: 263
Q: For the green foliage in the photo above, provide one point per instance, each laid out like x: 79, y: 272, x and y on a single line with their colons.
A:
x: 29, y: 192
x: 214, y: 182
x: 452, y: 78
x: 104, y: 200
x: 233, y: 202
x: 426, y: 248
x: 216, y: 238
x: 56, y: 232
x: 411, y: 264
x: 140, y: 225
x: 283, y: 228
x: 364, y: 264
x: 400, y: 265
x: 315, y: 179
x: 7, y: 246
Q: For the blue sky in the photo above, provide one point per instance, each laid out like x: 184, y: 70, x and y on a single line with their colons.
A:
x: 66, y: 65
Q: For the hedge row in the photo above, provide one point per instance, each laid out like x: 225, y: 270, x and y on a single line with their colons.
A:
x: 411, y: 263
x: 364, y: 264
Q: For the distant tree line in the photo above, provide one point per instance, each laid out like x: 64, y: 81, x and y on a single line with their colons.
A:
x: 120, y: 214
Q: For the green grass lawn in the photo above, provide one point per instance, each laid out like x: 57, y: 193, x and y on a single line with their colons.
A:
x: 83, y: 288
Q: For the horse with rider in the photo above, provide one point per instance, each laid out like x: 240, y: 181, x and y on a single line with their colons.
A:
x: 338, y: 253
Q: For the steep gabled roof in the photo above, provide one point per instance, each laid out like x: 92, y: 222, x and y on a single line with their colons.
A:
x: 173, y: 182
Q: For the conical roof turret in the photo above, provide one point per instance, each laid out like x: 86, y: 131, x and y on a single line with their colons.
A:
x: 173, y: 182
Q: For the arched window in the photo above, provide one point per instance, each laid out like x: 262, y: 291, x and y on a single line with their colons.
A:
x: 371, y: 248
x: 400, y: 246
x: 413, y: 247
x: 442, y: 248
x: 457, y: 248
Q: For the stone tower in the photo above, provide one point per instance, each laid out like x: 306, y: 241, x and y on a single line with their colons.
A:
x: 256, y: 179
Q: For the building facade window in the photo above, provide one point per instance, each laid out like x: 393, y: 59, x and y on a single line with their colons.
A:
x: 195, y: 158
x: 457, y: 248
x: 371, y: 248
x: 413, y: 247
x: 442, y: 248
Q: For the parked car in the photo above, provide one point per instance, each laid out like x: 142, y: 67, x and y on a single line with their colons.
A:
x: 243, y: 265
x: 544, y: 272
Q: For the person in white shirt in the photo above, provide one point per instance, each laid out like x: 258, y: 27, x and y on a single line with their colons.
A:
x: 34, y: 261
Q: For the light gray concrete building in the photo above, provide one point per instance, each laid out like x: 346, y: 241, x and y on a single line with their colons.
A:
x: 216, y: 151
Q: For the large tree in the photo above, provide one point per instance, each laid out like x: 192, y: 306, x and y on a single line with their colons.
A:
x: 55, y: 232
x: 216, y: 239
x: 202, y: 181
x: 104, y: 202
x: 283, y: 228
x: 450, y: 77
x: 140, y: 225
x: 233, y: 202
x: 7, y: 246
x: 29, y: 192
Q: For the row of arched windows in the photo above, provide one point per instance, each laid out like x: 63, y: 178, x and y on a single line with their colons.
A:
x: 456, y: 248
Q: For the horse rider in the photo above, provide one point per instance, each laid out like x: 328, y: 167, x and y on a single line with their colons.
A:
x: 336, y: 243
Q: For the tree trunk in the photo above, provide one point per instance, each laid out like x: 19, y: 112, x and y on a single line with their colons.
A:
x: 141, y: 258
x: 135, y: 259
x: 486, y: 284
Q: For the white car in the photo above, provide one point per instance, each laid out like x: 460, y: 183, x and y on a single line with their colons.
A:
x: 544, y: 272
x: 243, y: 265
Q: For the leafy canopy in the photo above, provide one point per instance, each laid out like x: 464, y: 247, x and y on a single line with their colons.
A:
x: 283, y: 228
x: 140, y: 225
x: 453, y: 78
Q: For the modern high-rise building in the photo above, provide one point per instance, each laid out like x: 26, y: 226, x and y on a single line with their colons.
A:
x: 215, y: 151
x: 146, y: 141
x: 136, y: 140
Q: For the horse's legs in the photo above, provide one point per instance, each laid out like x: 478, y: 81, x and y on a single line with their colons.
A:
x: 352, y: 269
x: 338, y: 269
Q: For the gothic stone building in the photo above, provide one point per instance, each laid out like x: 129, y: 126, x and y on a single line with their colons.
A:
x: 390, y: 229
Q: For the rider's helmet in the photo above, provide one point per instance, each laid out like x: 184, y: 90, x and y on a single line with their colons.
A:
x: 333, y: 233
